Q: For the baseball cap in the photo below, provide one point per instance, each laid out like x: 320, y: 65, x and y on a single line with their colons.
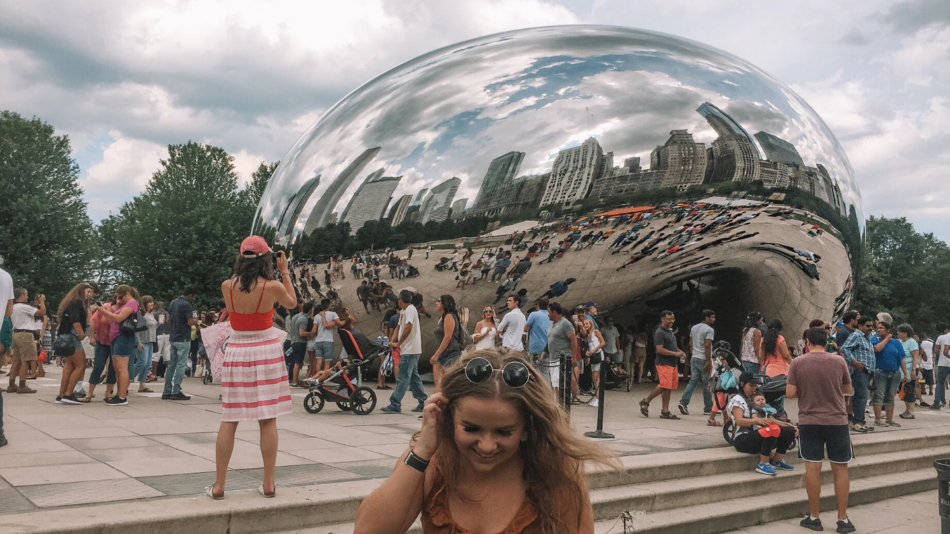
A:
x: 591, y: 304
x: 254, y: 247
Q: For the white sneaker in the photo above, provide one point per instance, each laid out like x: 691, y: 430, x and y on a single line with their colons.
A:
x: 594, y: 402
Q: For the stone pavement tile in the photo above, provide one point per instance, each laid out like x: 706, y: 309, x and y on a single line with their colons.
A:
x: 12, y: 501
x: 341, y: 454
x: 31, y: 441
x: 358, y: 438
x: 50, y: 495
x: 160, y: 425
x: 194, y: 483
x: 305, y: 444
x: 157, y: 451
x: 90, y: 444
x: 244, y: 455
x: 640, y: 433
x: 302, y: 475
x: 100, y: 430
x: 382, y: 429
x: 394, y: 450
x: 369, y: 469
x: 33, y: 459
x: 63, y: 420
x: 254, y: 436
x: 58, y: 474
x: 162, y: 466
x: 195, y: 438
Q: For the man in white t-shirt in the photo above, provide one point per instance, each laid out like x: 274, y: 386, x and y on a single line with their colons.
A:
x: 927, y: 367
x: 409, y: 342
x: 941, y: 353
x: 512, y: 326
x: 701, y: 338
x: 6, y: 331
x: 24, y: 343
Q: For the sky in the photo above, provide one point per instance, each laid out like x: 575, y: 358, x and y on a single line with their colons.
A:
x: 125, y: 79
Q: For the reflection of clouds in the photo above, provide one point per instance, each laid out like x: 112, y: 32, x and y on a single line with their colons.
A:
x: 452, y: 111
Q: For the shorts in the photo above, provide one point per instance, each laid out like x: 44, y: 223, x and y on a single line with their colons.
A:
x: 298, y: 351
x: 669, y: 376
x: 6, y: 335
x: 77, y: 343
x: 886, y: 384
x: 123, y: 346
x: 323, y: 350
x: 595, y: 367
x: 814, y: 440
x: 909, y: 388
x: 449, y: 357
x: 928, y: 375
x: 24, y: 347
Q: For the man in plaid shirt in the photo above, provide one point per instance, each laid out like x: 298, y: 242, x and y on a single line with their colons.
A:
x: 859, y: 353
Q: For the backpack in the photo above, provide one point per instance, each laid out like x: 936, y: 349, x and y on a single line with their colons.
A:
x: 462, y: 337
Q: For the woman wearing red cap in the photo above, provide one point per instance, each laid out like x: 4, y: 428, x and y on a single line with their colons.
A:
x: 254, y: 380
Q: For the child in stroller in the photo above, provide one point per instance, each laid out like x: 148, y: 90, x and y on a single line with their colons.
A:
x: 343, y: 383
x: 443, y: 264
x: 411, y: 271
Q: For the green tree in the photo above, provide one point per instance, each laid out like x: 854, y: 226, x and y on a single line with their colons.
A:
x: 185, y: 228
x: 46, y: 237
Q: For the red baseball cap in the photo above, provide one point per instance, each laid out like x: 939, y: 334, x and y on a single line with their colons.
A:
x: 254, y: 247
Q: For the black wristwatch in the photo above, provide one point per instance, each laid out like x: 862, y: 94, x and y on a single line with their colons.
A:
x: 416, y: 463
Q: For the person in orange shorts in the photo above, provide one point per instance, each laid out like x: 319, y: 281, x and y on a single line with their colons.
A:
x: 667, y: 358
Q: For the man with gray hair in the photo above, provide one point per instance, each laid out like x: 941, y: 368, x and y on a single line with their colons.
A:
x: 24, y: 338
x: 408, y: 341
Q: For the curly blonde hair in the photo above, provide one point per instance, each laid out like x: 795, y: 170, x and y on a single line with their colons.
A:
x: 553, y: 454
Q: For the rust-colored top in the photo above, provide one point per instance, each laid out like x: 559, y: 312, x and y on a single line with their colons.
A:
x: 437, y: 519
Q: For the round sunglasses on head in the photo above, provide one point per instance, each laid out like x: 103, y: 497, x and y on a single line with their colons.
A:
x: 479, y: 370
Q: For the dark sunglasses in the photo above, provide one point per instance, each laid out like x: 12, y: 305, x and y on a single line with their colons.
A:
x: 479, y: 370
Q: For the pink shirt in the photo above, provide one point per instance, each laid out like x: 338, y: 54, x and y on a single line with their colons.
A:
x: 114, y: 325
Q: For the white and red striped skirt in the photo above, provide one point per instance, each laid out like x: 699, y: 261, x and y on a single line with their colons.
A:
x: 254, y: 382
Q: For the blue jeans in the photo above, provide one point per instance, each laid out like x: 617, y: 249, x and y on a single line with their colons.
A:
x: 143, y: 364
x: 860, y: 380
x: 751, y: 367
x: 323, y: 350
x: 99, y: 362
x: 697, y: 375
x: 408, y: 378
x: 175, y: 372
x: 940, y: 393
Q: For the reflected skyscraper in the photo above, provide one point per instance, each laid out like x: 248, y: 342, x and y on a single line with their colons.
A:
x: 420, y: 196
x: 370, y: 200
x: 573, y: 173
x: 399, y: 210
x: 501, y: 173
x: 458, y: 207
x: 437, y: 204
x: 294, y: 207
x: 682, y: 160
x: 779, y: 150
x: 321, y: 214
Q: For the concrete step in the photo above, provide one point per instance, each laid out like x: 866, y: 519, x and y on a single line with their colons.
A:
x: 725, y: 515
x: 650, y: 483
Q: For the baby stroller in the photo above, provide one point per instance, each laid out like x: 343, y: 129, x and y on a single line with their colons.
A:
x: 615, y: 375
x: 725, y: 380
x: 411, y: 271
x: 443, y: 264
x: 345, y: 386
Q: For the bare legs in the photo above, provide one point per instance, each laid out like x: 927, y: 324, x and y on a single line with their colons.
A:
x: 437, y: 376
x: 224, y: 446
x: 74, y: 367
x: 664, y: 394
x: 121, y: 365
x: 813, y: 487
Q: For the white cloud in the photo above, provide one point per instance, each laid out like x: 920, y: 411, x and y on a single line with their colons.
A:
x: 126, y: 167
x: 245, y: 164
x: 924, y: 57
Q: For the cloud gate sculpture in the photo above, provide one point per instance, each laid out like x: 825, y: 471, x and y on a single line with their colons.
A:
x: 728, y: 190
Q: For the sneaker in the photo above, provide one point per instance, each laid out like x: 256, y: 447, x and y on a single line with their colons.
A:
x: 80, y: 393
x: 924, y: 404
x: 683, y: 409
x: 812, y: 524
x: 166, y: 396
x: 879, y: 422
x: 419, y: 409
x: 781, y: 465
x: 594, y: 402
x: 933, y: 406
x: 25, y: 389
x: 765, y: 469
x: 117, y: 401
x: 180, y: 396
x: 59, y: 400
x: 845, y: 525
x: 12, y: 389
x: 3, y: 440
x: 858, y: 427
x: 70, y: 399
x: 707, y: 412
x: 390, y: 409
x: 893, y: 424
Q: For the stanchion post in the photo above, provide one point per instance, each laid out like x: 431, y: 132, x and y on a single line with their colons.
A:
x: 565, y: 382
x: 599, y: 433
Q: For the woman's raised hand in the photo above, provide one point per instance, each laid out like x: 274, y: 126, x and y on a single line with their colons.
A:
x: 429, y: 437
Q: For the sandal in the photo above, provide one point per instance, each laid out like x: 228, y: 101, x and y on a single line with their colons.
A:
x: 645, y: 408
x: 271, y: 495
x: 575, y: 401
x: 209, y: 491
x: 85, y: 400
x: 668, y: 415
x: 713, y: 422
x: 146, y: 390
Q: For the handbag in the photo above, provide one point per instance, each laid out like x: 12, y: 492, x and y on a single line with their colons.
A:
x: 597, y: 357
x: 63, y: 346
x: 130, y: 324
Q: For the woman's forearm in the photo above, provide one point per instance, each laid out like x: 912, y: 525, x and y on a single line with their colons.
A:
x: 379, y: 512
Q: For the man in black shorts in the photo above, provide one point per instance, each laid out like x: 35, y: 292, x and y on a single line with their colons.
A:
x: 820, y: 381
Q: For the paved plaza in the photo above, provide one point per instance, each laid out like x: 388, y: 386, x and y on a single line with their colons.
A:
x: 70, y: 456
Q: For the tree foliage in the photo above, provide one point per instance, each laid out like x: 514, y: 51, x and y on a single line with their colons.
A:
x: 906, y: 274
x: 184, y: 229
x: 46, y: 237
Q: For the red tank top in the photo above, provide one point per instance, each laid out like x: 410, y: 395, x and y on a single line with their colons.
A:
x: 250, y: 322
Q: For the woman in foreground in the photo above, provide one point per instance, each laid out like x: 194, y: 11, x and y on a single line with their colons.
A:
x: 495, y: 454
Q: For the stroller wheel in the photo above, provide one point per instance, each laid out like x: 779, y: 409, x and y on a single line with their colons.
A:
x: 363, y: 400
x: 728, y: 432
x: 313, y: 402
x: 207, y: 379
x: 343, y: 405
